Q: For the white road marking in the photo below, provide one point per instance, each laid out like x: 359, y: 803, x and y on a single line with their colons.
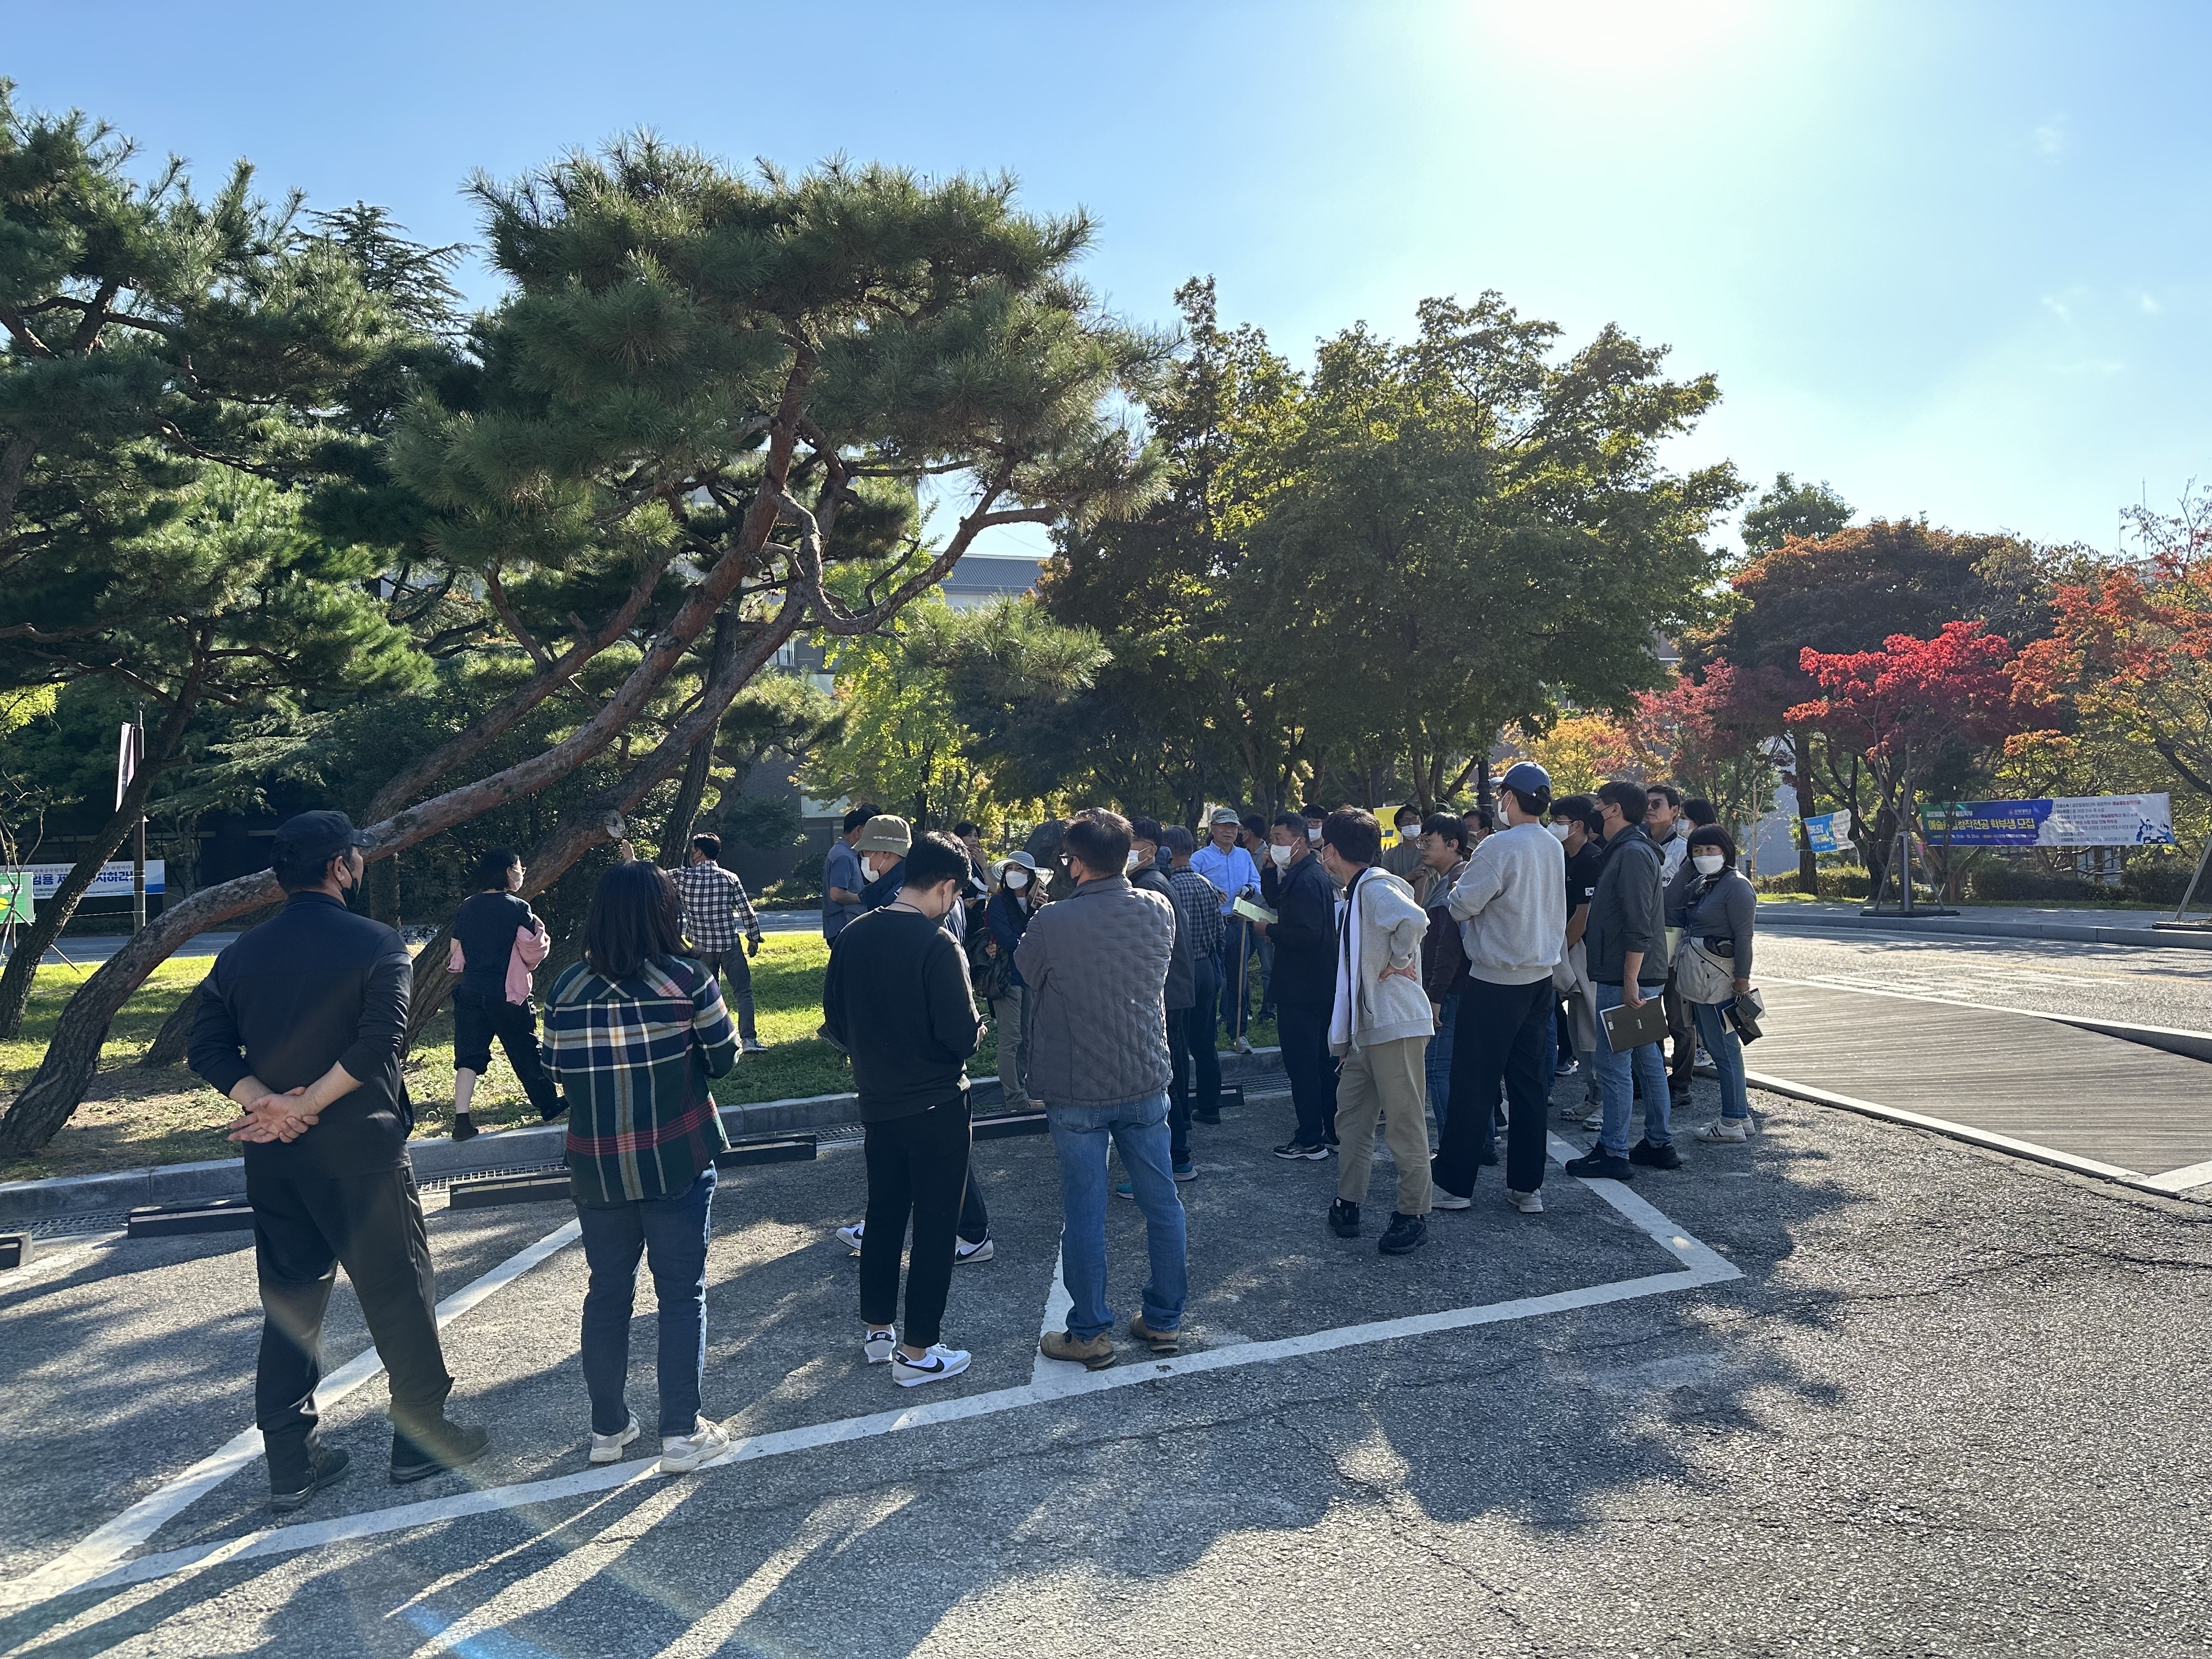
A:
x: 1701, y: 1266
x: 2181, y: 1179
x: 2074, y: 1020
x: 113, y: 1542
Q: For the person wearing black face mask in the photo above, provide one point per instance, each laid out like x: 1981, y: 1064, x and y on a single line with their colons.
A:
x: 301, y: 1023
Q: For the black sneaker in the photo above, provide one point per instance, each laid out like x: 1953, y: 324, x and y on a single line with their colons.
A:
x: 464, y: 1128
x: 1343, y: 1219
x: 1404, y: 1234
x: 1656, y: 1158
x: 1599, y: 1164
x: 1294, y: 1148
x: 1205, y: 1115
x: 325, y: 1465
x: 448, y: 1445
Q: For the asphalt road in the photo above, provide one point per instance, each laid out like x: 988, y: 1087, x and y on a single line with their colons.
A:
x: 1953, y: 1404
x: 2100, y: 981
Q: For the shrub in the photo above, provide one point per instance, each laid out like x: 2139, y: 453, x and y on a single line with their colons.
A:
x: 2161, y: 878
x: 1999, y: 878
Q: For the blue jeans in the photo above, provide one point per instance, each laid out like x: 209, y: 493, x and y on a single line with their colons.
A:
x: 671, y: 1233
x: 1079, y: 1138
x: 1438, y: 1063
x: 1726, y: 1049
x: 1618, y: 1077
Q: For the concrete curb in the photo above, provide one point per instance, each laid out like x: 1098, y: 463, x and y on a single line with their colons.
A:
x: 441, y: 1160
x: 1781, y: 915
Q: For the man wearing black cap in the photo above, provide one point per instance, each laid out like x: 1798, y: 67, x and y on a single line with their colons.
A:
x: 301, y: 1023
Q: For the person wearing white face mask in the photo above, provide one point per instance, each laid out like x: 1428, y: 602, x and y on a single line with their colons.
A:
x: 1710, y: 899
x: 1006, y: 919
x: 1304, y: 932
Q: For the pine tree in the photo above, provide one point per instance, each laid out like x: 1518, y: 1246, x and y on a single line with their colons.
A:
x: 705, y: 391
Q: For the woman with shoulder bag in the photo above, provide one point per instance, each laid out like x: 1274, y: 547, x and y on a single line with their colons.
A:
x: 1713, y: 904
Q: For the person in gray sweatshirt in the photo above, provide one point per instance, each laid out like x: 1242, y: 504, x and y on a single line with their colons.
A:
x: 1626, y: 946
x: 1710, y: 899
x: 1511, y: 902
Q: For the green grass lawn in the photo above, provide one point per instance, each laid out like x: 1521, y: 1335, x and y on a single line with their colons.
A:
x: 133, y: 1117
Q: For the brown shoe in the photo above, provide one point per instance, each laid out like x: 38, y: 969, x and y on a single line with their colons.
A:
x: 1096, y: 1355
x: 1161, y: 1342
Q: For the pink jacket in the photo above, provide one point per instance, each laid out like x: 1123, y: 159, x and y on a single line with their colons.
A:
x: 530, y: 944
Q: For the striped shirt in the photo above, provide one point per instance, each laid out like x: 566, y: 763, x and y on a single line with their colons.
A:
x: 714, y: 902
x: 633, y: 1057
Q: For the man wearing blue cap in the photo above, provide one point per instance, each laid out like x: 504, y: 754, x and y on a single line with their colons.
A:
x: 1511, y: 905
x: 301, y: 1023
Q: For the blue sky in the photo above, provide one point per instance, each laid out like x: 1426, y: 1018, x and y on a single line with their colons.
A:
x: 1951, y: 256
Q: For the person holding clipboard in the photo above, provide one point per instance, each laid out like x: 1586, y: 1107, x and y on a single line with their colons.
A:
x: 1626, y: 944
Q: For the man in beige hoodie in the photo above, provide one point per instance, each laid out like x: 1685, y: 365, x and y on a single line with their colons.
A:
x: 1379, y: 1029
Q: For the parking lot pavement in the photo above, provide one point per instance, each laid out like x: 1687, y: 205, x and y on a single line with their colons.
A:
x: 1942, y: 1389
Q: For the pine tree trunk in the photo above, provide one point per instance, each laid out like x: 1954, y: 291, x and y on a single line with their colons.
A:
x: 73, y: 1053
x: 175, y: 1036
x: 676, y: 831
x: 53, y: 915
x: 45, y: 1103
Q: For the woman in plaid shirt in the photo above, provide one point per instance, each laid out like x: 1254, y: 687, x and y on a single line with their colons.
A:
x: 632, y: 1033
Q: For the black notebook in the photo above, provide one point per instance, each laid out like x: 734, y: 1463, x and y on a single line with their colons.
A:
x: 1628, y: 1028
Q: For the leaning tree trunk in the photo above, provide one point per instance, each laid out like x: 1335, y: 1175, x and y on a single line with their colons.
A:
x: 675, y: 829
x: 175, y: 1036
x: 583, y: 826
x: 53, y: 915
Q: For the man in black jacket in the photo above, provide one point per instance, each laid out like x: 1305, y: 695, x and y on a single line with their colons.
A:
x: 1304, y: 983
x: 300, y: 1023
x: 1627, y: 944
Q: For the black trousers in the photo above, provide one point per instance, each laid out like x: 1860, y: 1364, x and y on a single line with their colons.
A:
x: 733, y: 964
x: 478, y: 1016
x: 373, y: 1224
x: 1503, y: 1033
x: 1191, y: 1051
x: 1304, y: 1033
x: 917, y: 1170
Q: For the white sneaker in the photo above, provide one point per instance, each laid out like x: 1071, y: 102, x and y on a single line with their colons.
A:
x: 753, y: 1045
x: 608, y: 1448
x: 878, y: 1345
x: 1735, y: 1130
x: 940, y: 1363
x: 1527, y: 1203
x: 850, y: 1237
x: 1594, y: 1122
x: 963, y: 1251
x: 681, y: 1454
x: 1701, y: 1058
x: 1441, y: 1200
x: 1240, y: 1047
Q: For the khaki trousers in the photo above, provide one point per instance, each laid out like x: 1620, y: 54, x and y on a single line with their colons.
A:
x: 1007, y: 1013
x: 1385, y: 1078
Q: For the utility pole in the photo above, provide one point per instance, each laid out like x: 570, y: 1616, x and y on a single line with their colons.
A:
x: 138, y: 838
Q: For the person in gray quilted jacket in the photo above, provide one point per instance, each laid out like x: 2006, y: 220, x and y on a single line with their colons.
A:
x: 1095, y: 963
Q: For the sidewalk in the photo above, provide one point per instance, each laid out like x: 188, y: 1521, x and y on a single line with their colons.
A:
x: 1997, y: 922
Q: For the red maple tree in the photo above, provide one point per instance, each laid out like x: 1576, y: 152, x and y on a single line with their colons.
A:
x: 1911, y: 705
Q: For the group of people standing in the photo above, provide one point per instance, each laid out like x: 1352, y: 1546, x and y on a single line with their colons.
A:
x: 1446, y: 977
